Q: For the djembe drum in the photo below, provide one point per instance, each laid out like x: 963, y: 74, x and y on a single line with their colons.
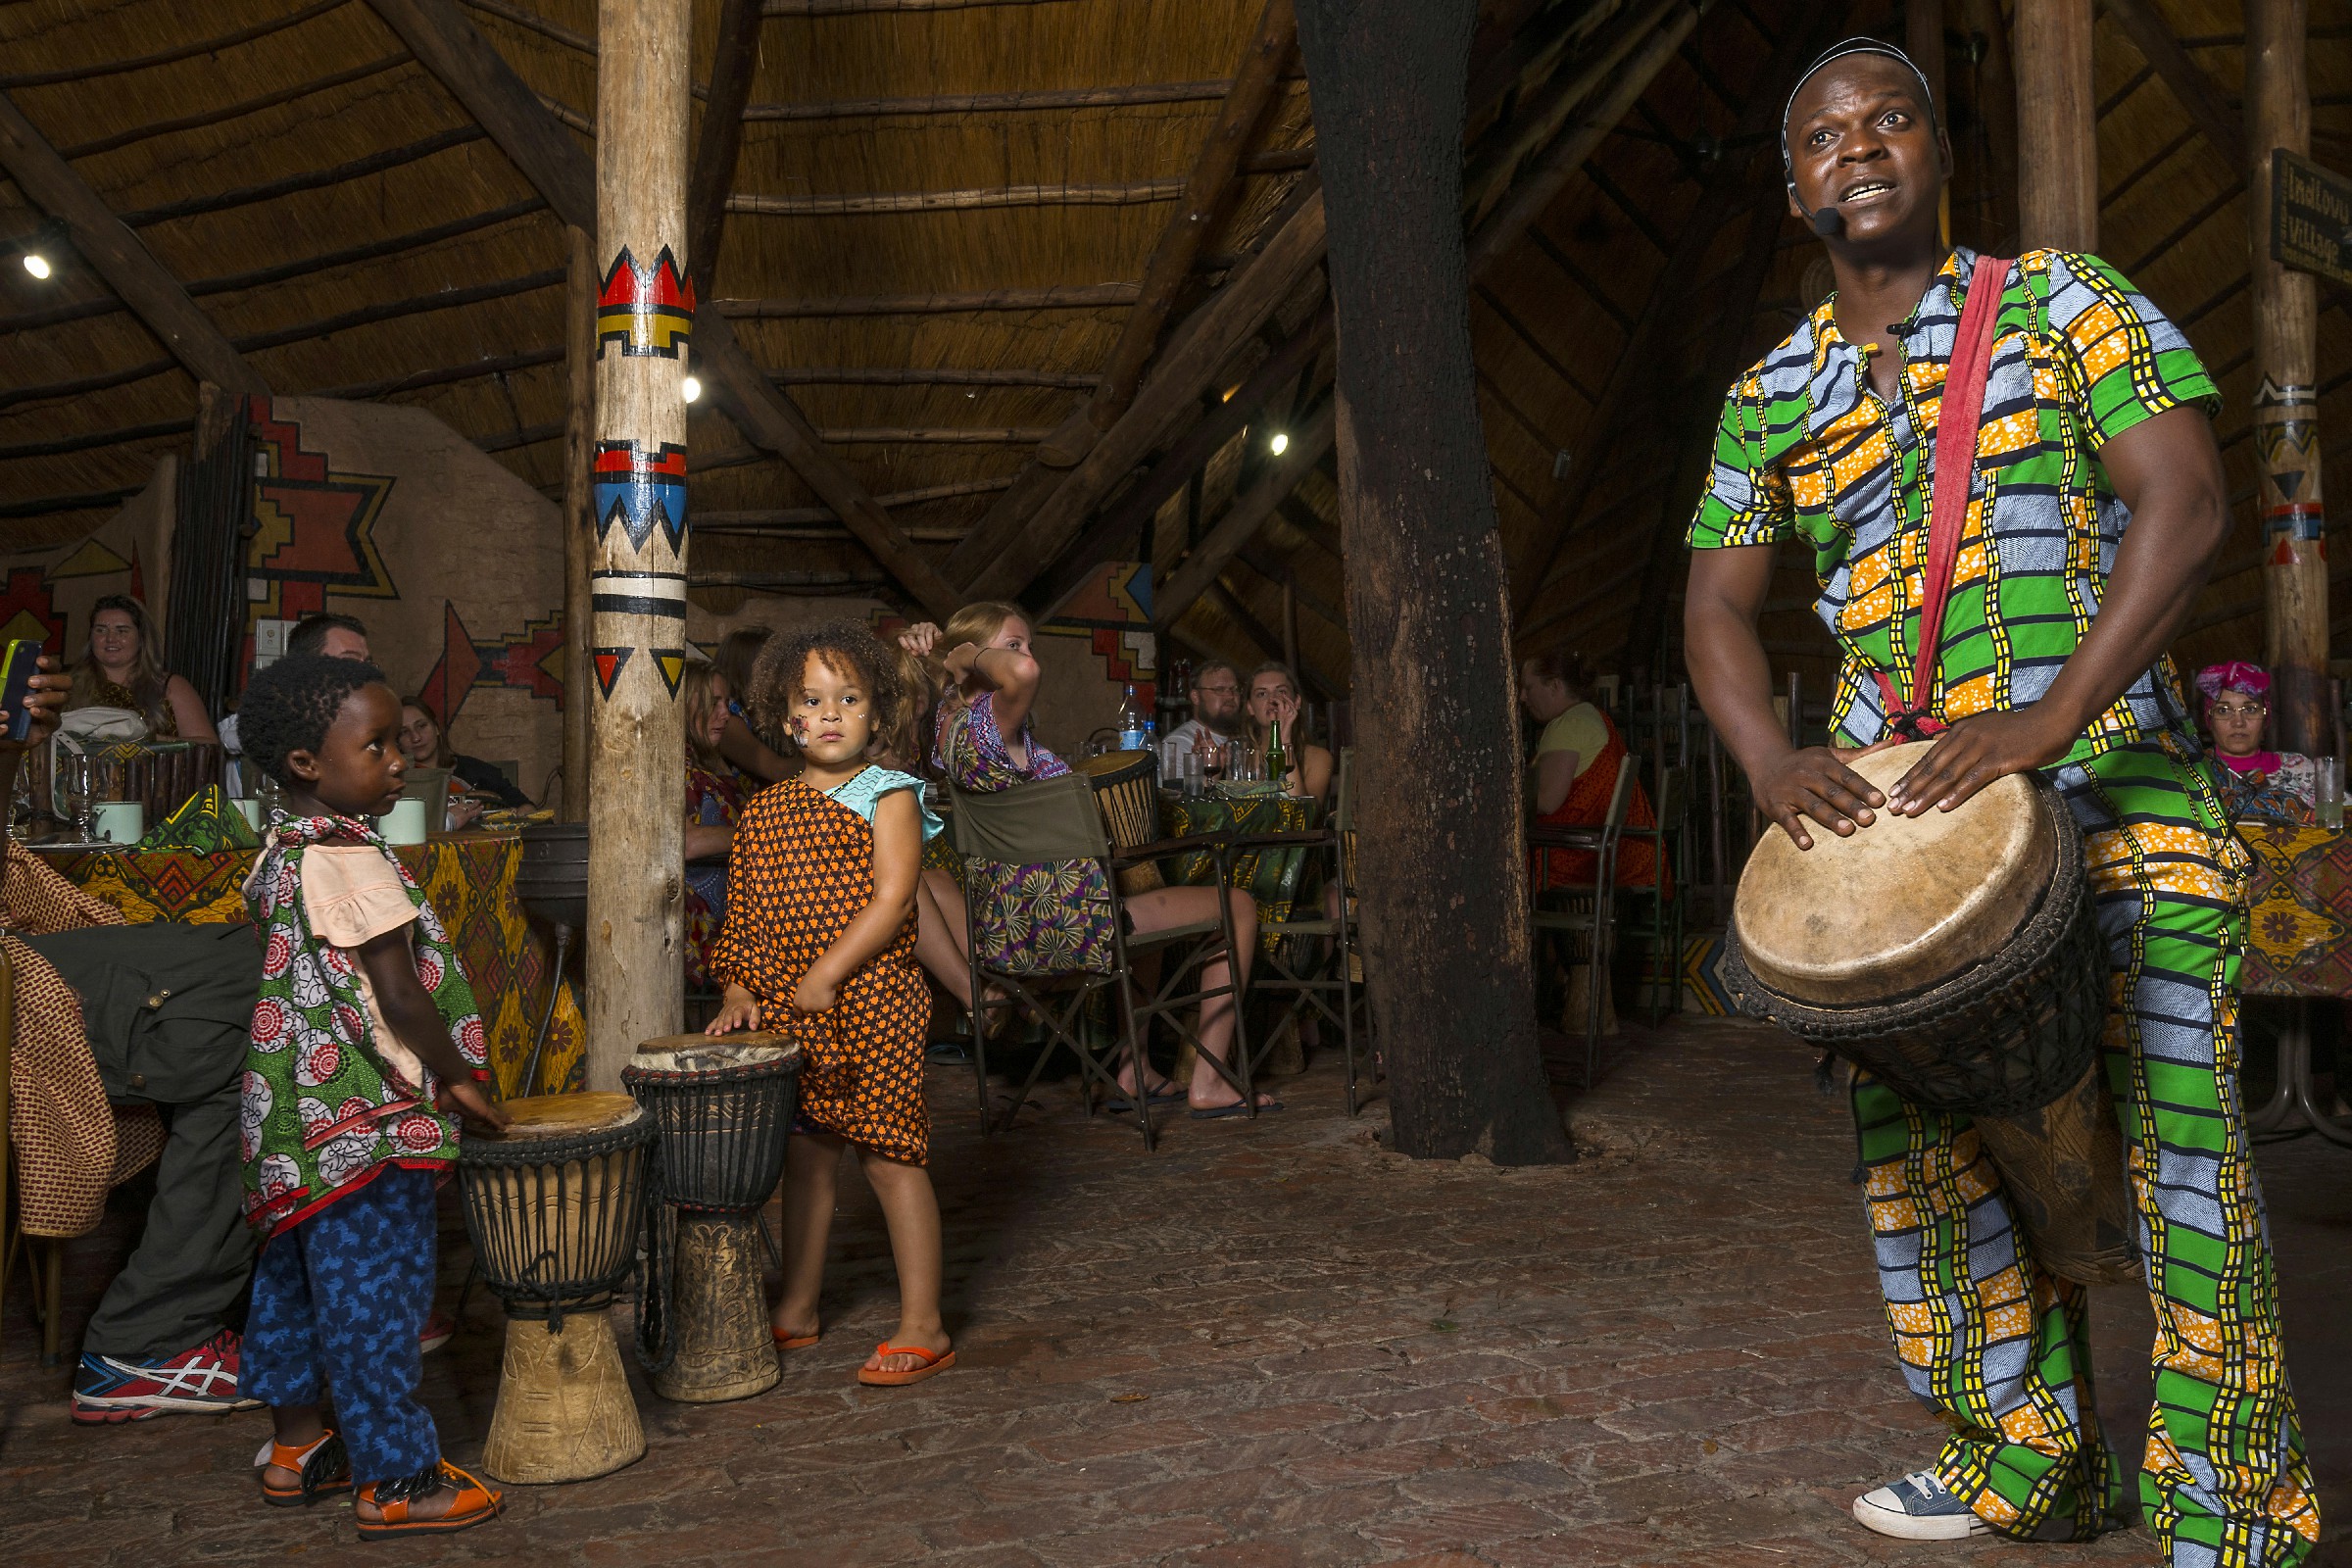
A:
x: 1126, y: 786
x: 554, y: 1205
x: 1956, y: 958
x: 723, y: 1104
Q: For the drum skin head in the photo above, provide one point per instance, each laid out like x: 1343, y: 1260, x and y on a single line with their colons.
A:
x: 1905, y: 903
x: 1111, y: 764
x: 564, y: 1115
x: 701, y: 1052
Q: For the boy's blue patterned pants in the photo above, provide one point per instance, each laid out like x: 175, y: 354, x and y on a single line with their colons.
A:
x: 338, y: 1303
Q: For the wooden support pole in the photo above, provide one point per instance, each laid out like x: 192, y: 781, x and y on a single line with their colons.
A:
x: 2286, y: 435
x: 1923, y: 41
x: 2058, y: 141
x: 1446, y: 916
x: 1996, y: 105
x: 636, y: 833
x: 579, y: 522
x: 117, y: 256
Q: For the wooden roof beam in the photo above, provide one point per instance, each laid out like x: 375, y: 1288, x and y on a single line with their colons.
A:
x: 1243, y: 519
x: 130, y: 268
x: 1258, y: 632
x: 454, y: 51
x: 2153, y: 38
x: 734, y: 61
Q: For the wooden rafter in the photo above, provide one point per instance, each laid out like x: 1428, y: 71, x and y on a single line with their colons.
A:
x: 734, y: 61
x: 130, y: 268
x: 454, y: 51
x: 2153, y: 38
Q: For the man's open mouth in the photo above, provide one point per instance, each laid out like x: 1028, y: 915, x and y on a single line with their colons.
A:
x: 1868, y: 190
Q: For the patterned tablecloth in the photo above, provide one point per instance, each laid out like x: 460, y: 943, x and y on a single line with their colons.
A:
x: 469, y: 877
x: 2300, y: 935
x: 1272, y: 876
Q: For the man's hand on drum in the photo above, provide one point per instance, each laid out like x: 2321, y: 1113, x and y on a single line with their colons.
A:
x: 1815, y: 783
x: 1975, y: 752
x: 737, y: 1009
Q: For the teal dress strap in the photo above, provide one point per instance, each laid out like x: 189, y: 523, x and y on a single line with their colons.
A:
x: 863, y: 793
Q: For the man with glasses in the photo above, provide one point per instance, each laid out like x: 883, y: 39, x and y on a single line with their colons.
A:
x: 1216, y: 708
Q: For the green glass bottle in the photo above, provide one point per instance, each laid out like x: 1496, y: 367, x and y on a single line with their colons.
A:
x: 1278, y: 763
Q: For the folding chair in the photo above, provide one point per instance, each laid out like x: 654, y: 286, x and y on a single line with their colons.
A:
x: 1659, y: 905
x: 1057, y: 819
x: 1590, y: 913
x: 1310, y: 957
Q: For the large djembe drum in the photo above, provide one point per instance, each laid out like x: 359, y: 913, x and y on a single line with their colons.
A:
x: 723, y: 1104
x: 555, y: 1205
x: 1956, y: 958
x: 1126, y: 786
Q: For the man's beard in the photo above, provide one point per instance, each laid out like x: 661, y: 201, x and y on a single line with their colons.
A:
x: 1228, y: 728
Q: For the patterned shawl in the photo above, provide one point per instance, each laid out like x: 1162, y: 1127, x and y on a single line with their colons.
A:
x: 324, y: 1107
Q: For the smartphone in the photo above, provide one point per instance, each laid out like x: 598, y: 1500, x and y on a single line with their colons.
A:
x: 16, y: 667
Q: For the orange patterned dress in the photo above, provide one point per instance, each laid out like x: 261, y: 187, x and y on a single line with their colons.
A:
x: 801, y: 870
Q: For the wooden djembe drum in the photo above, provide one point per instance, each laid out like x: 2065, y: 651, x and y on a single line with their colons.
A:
x: 555, y: 1205
x: 1126, y: 786
x: 723, y: 1104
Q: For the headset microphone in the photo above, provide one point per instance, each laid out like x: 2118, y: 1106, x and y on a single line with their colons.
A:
x: 1827, y: 222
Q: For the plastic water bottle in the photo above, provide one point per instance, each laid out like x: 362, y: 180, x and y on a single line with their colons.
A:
x: 1135, y: 726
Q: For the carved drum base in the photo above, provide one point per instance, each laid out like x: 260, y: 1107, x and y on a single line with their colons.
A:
x: 726, y: 1351
x: 565, y: 1412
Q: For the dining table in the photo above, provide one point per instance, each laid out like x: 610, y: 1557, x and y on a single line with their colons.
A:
x: 469, y: 879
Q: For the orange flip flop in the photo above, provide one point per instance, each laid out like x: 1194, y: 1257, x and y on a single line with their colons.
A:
x: 797, y: 1342
x: 477, y: 1504
x: 933, y: 1361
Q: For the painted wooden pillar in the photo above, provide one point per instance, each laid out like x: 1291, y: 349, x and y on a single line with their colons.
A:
x: 1446, y: 911
x: 579, y: 530
x: 637, y: 590
x: 2057, y: 130
x: 2287, y: 443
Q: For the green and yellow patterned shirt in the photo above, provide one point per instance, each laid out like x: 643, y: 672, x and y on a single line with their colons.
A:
x: 1807, y: 450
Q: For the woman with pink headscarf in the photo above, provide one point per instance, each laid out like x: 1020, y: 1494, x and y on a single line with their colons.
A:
x: 2256, y: 785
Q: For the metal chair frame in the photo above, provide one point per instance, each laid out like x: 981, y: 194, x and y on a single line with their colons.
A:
x: 1208, y: 942
x: 1663, y: 927
x: 1599, y: 921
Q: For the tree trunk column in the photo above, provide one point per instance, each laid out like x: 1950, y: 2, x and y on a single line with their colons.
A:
x: 1443, y: 844
x: 579, y: 523
x: 2287, y: 406
x: 637, y: 636
x: 2057, y: 130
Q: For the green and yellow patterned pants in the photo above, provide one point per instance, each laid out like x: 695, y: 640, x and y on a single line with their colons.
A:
x: 2001, y: 1348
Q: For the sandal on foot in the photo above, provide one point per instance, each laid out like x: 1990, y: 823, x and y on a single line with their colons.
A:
x: 322, y: 1465
x: 1122, y: 1103
x: 793, y: 1341
x: 1240, y: 1107
x: 476, y: 1505
x: 933, y: 1361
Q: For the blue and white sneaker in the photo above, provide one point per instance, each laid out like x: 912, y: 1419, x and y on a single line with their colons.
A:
x: 1918, y: 1507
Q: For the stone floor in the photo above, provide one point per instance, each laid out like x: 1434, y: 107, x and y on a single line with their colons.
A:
x: 1266, y: 1344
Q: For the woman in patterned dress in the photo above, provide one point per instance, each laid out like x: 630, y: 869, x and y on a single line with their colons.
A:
x: 819, y: 940
x: 1054, y: 918
x: 2257, y: 786
x: 714, y: 800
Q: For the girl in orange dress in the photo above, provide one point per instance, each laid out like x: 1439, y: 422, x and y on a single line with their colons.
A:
x: 819, y: 939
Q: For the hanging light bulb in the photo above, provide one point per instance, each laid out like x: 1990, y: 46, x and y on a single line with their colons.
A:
x: 691, y: 388
x: 37, y: 265
x: 1280, y: 444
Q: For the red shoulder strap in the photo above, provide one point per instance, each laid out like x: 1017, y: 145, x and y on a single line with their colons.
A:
x: 1956, y: 424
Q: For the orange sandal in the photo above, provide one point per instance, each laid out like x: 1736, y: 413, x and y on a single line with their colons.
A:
x: 477, y: 1504
x: 933, y: 1361
x: 322, y: 1465
x: 796, y: 1342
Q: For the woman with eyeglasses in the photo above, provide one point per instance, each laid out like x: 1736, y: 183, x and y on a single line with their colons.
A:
x: 2257, y: 785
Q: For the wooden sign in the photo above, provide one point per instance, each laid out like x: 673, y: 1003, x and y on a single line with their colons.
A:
x: 2310, y: 217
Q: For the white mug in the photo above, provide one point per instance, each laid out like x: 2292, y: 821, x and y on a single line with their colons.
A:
x: 121, y: 821
x: 404, y: 823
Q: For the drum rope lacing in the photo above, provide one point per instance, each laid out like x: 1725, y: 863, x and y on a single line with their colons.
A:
x: 533, y: 1257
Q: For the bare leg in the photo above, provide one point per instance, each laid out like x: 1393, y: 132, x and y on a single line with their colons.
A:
x: 911, y: 1210
x: 812, y: 1166
x: 1167, y: 907
x: 938, y: 934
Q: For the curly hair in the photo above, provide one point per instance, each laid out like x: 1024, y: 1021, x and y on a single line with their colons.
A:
x: 849, y: 649
x: 290, y: 706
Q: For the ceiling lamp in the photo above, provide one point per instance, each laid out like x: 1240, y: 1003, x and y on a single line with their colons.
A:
x: 37, y: 265
x: 1279, y: 445
x: 691, y: 388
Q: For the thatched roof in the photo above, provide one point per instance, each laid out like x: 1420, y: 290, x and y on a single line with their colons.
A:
x: 942, y: 209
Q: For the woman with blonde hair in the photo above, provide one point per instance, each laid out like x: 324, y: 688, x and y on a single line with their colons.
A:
x: 122, y: 667
x: 1057, y: 917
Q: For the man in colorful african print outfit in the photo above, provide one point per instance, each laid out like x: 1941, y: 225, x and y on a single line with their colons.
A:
x: 2096, y: 502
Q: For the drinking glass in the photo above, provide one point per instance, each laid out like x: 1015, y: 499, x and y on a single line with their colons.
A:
x: 2330, y: 792
x: 83, y: 785
x: 1190, y: 772
x: 1243, y: 765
